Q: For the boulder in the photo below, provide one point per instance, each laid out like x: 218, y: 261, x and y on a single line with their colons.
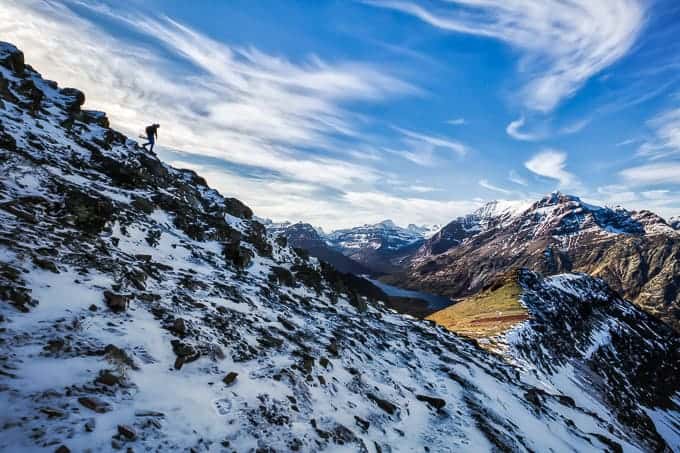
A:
x: 437, y: 403
x: 236, y: 208
x: 12, y: 58
x: 94, y: 404
x: 128, y: 432
x: 230, y: 378
x: 116, y: 302
x: 73, y: 99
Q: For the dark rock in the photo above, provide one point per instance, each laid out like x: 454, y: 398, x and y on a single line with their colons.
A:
x: 73, y: 99
x: 90, y: 425
x: 237, y: 208
x: 46, y: 264
x: 89, y: 213
x: 144, y: 205
x: 93, y: 307
x: 94, y: 404
x: 230, y: 378
x: 116, y: 302
x: 383, y: 404
x: 119, y: 356
x: 108, y: 378
x: 62, y: 449
x: 179, y: 327
x: 281, y: 276
x: 240, y: 256
x: 361, y: 423
x: 52, y: 412
x: 12, y: 58
x: 128, y: 432
x: 437, y: 403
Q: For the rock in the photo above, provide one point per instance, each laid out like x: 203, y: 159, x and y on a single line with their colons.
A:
x: 12, y: 58
x: 73, y: 99
x: 148, y: 413
x: 52, y: 412
x: 90, y: 214
x: 90, y: 425
x: 62, y: 449
x: 437, y: 403
x: 119, y: 356
x: 240, y: 256
x: 127, y: 432
x: 361, y: 423
x: 144, y: 205
x: 94, y: 404
x: 116, y: 302
x: 324, y: 362
x: 307, y: 363
x: 179, y: 327
x: 93, y: 307
x: 230, y: 378
x: 185, y: 353
x: 281, y: 276
x: 237, y: 208
x: 383, y: 404
x: 46, y: 264
x: 107, y: 378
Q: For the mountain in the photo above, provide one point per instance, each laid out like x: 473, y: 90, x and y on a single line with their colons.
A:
x: 142, y: 310
x: 304, y: 236
x: 381, y: 247
x: 587, y: 336
x: 637, y: 253
x: 674, y: 222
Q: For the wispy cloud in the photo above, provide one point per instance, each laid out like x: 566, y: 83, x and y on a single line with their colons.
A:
x: 238, y: 105
x: 665, y: 140
x: 487, y: 185
x: 513, y: 176
x: 513, y: 130
x: 457, y: 122
x: 563, y: 43
x: 551, y: 163
x: 424, y: 149
x: 652, y: 174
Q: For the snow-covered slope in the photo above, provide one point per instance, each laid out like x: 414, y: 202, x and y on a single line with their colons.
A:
x: 141, y: 309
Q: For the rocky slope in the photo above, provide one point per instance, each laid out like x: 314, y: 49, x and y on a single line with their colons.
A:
x: 304, y: 236
x: 141, y: 309
x: 637, y: 253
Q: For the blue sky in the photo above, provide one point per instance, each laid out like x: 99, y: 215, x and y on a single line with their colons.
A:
x: 346, y: 112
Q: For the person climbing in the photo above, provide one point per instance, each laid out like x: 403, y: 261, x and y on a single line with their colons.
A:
x: 151, y: 135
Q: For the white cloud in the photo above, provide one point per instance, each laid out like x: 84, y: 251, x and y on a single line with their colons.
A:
x: 666, y: 136
x: 513, y: 176
x: 654, y: 173
x: 436, y: 142
x: 513, y: 130
x: 457, y: 121
x: 552, y: 163
x: 564, y: 43
x: 422, y: 189
x: 237, y: 105
x: 487, y: 185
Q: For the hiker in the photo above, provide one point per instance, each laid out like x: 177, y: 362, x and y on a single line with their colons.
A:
x: 151, y: 135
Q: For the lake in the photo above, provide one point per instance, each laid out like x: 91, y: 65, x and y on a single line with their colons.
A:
x: 433, y: 302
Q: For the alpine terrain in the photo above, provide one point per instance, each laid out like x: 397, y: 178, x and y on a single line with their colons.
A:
x: 636, y: 253
x: 141, y: 310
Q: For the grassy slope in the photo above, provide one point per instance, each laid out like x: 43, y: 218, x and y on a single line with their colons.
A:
x: 486, y: 314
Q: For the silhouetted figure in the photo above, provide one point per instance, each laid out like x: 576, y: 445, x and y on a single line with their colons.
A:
x: 151, y: 135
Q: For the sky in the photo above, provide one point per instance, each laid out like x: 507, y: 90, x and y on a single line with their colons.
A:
x: 345, y: 112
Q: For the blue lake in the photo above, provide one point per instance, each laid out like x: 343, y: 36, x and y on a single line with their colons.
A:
x: 433, y: 302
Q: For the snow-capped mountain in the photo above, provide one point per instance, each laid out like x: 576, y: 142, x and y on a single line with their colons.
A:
x: 674, y: 222
x: 306, y: 237
x: 385, y: 235
x: 142, y: 310
x: 381, y: 247
x: 635, y: 252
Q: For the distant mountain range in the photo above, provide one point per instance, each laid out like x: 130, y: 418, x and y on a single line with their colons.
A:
x: 636, y: 252
x: 372, y: 249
